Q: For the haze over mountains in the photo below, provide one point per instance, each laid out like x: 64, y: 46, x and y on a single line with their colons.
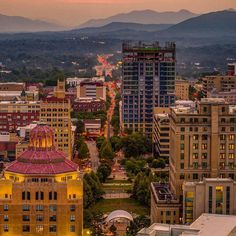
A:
x: 143, y: 17
x: 14, y: 24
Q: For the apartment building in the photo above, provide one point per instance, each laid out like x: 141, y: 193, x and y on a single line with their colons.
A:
x: 149, y: 72
x: 202, y: 142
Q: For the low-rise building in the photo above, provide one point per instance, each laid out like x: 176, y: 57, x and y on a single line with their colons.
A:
x: 18, y: 113
x: 88, y: 105
x: 212, y: 195
x: 205, y: 225
x: 92, y: 128
x: 165, y: 206
x: 91, y: 89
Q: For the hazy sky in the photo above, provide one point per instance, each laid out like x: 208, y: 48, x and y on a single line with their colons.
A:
x: 75, y: 12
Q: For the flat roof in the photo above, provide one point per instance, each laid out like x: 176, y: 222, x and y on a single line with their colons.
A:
x: 213, y: 224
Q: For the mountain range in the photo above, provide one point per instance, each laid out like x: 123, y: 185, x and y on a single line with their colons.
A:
x: 14, y: 24
x: 142, y: 17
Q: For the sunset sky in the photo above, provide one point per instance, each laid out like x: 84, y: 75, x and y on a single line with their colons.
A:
x: 75, y: 12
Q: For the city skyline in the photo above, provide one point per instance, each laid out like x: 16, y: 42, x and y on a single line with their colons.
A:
x: 76, y: 12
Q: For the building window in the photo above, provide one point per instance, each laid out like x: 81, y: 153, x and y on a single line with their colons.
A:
x: 181, y: 165
x: 39, y: 228
x: 210, y: 200
x: 222, y: 137
x: 6, y: 218
x: 39, y: 207
x: 72, y: 218
x: 182, y: 137
x: 53, y: 218
x: 72, y: 207
x: 182, y: 156
x: 195, y: 155
x: 231, y: 155
x: 195, y: 165
x: 181, y: 176
x: 195, y: 137
x: 227, y: 200
x: 222, y: 146
x: 204, y: 155
x: 5, y: 228
x: 182, y: 129
x: 26, y: 218
x: 204, y: 137
x: 26, y: 228
x: 219, y: 199
x: 161, y: 213
x: 167, y: 213
x: 204, y: 165
x: 39, y: 218
x: 204, y: 146
x: 222, y: 155
x: 231, y: 137
x: 52, y: 228
x: 72, y: 228
x: 25, y: 207
x: 195, y: 176
x: 195, y: 146
x: 53, y: 208
x: 231, y: 147
x: 5, y: 207
x: 182, y: 146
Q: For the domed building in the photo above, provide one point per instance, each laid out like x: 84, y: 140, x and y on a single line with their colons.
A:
x: 41, y: 193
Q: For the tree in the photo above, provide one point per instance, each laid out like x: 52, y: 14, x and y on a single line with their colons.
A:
x: 135, y: 145
x: 113, y: 229
x: 106, y: 152
x: 99, y: 142
x: 116, y: 143
x: 103, y: 172
x: 137, y: 224
x: 83, y: 151
x: 158, y: 163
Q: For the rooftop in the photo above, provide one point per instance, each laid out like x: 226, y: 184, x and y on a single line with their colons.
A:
x: 163, y: 192
x: 205, y: 225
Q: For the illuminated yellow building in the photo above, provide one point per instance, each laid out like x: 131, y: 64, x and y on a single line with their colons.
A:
x: 56, y: 112
x: 41, y: 193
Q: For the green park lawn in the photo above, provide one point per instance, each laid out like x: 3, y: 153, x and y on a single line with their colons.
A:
x: 106, y: 206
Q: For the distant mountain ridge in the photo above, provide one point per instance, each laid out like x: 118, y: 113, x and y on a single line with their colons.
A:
x: 122, y: 26
x: 13, y: 24
x: 214, y: 24
x: 142, y: 17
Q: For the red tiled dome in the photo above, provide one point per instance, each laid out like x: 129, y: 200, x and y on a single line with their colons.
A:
x: 42, y: 158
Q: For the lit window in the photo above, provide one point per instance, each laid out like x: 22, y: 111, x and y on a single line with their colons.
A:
x: 231, y: 155
x: 39, y: 228
x: 204, y: 146
x: 231, y: 147
x: 5, y: 207
x: 195, y: 155
x: 5, y: 228
x: 72, y: 218
x: 72, y: 228
x: 6, y: 218
x: 25, y: 207
x: 231, y: 137
x: 39, y: 207
x: 222, y: 146
x: 222, y: 155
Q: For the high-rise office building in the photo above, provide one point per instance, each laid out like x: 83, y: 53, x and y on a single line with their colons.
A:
x: 41, y: 193
x: 148, y: 81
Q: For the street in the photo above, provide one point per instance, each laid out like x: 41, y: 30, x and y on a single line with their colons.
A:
x: 94, y: 158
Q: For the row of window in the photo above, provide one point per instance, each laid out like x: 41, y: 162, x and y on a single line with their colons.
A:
x: 26, y: 195
x: 26, y: 207
x: 52, y: 218
x: 39, y: 228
